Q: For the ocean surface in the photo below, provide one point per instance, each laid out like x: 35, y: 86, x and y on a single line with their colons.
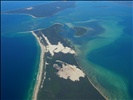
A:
x: 19, y: 57
x: 18, y: 66
x: 105, y: 55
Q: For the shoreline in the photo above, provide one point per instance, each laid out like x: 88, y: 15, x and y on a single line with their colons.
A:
x: 40, y: 71
x: 90, y: 79
x: 20, y: 14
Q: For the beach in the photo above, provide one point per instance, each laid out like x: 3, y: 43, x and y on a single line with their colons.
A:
x: 40, y: 71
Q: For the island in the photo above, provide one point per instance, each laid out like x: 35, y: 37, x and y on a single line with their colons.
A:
x: 59, y: 75
x: 93, y: 29
x: 44, y: 10
x: 79, y: 30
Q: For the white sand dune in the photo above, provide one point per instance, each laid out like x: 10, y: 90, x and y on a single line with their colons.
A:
x: 69, y: 71
x: 57, y: 48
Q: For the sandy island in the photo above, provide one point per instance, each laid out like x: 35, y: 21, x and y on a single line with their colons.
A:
x: 65, y: 70
x: 69, y: 71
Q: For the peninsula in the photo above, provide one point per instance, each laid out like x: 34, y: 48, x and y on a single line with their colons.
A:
x: 59, y: 75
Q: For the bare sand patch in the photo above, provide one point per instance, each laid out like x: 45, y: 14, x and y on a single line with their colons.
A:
x: 69, y: 71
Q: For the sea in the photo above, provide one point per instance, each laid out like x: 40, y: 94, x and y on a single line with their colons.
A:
x: 19, y: 56
x: 105, y: 55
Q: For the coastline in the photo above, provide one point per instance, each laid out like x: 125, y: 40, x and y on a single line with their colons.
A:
x: 20, y: 14
x: 40, y: 71
x: 90, y: 79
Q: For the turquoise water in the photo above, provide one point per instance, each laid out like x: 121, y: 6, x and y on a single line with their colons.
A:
x: 107, y: 60
x: 105, y: 56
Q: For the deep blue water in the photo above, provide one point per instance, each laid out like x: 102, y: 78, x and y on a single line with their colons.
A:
x: 18, y: 55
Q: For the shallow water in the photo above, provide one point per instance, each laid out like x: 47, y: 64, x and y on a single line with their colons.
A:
x: 109, y: 76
